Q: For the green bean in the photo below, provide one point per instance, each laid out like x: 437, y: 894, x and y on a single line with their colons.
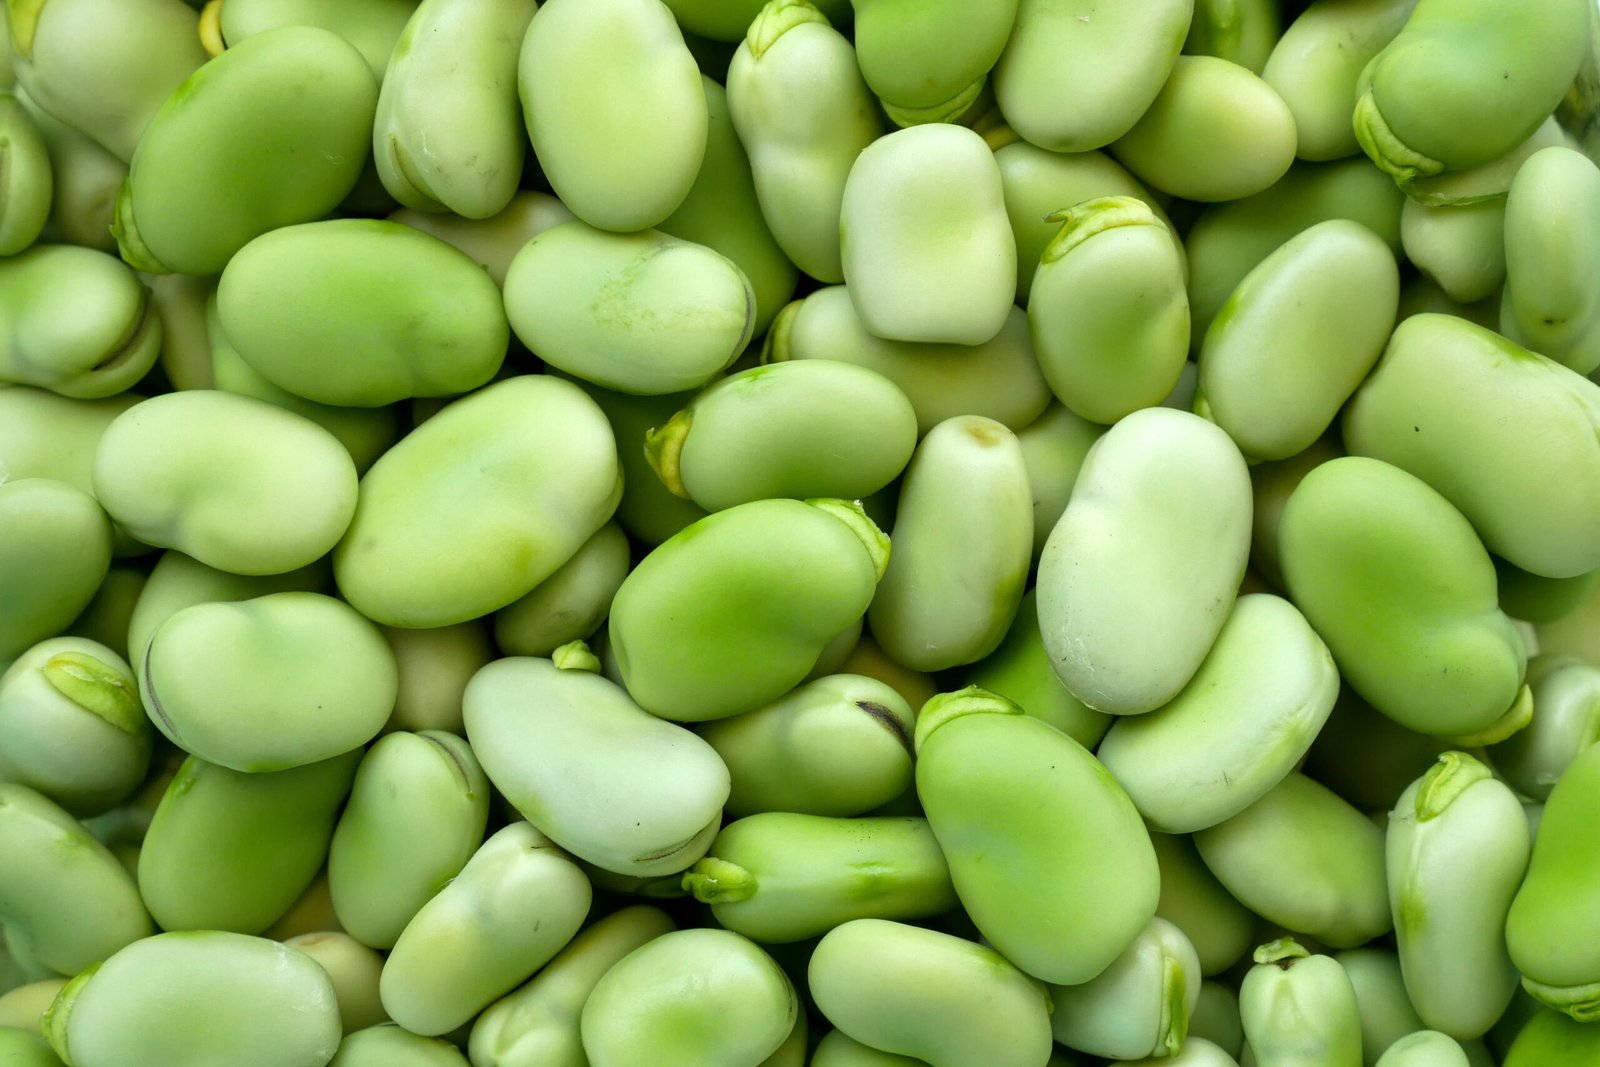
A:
x: 515, y: 904
x: 614, y: 109
x: 1340, y: 559
x: 1550, y: 1037
x: 927, y: 61
x: 1548, y: 214
x: 354, y: 970
x: 55, y: 549
x: 1566, y: 694
x: 1457, y: 848
x: 25, y: 193
x: 1240, y: 31
x: 1074, y: 77
x: 1549, y: 927
x: 1138, y: 1006
x: 1461, y: 84
x: 492, y: 242
x: 224, y: 160
x: 1124, y: 631
x: 838, y: 745
x: 416, y: 814
x: 693, y: 650
x: 387, y: 1045
x: 925, y: 242
x: 611, y: 783
x: 691, y: 997
x: 1074, y: 890
x: 228, y: 850
x: 71, y: 725
x: 64, y: 899
x: 436, y: 504
x: 372, y: 26
x: 1302, y: 857
x: 1214, y: 132
x: 962, y: 538
x: 1299, y: 1009
x: 263, y: 1005
x: 929, y: 995
x: 1108, y: 346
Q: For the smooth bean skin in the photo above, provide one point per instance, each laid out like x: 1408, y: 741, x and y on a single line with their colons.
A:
x: 261, y: 1004
x: 963, y: 539
x: 1037, y: 183
x: 71, y: 725
x: 1550, y: 1037
x: 434, y: 668
x: 929, y: 995
x: 1566, y: 694
x: 75, y: 321
x: 55, y: 549
x: 999, y: 379
x: 1368, y: 758
x: 1243, y: 722
x: 45, y: 435
x: 896, y: 42
x: 1315, y: 65
x: 416, y: 814
x: 733, y: 611
x: 1551, y: 213
x: 636, y: 312
x: 492, y: 242
x: 538, y: 1024
x: 812, y: 428
x: 1139, y: 1005
x: 1457, y: 846
x: 1297, y: 337
x: 1228, y: 240
x: 354, y: 969
x: 1396, y: 582
x: 408, y: 314
x: 612, y: 100
x: 723, y: 212
x: 1385, y: 1008
x: 692, y: 997
x: 448, y: 130
x: 926, y: 244
x: 64, y: 898
x: 270, y: 133
x: 1061, y: 881
x: 270, y: 683
x: 1460, y: 246
x: 1109, y: 66
x: 1550, y: 927
x: 388, y: 1045
x: 178, y: 581
x: 105, y: 67
x: 1303, y: 858
x: 1425, y: 1048
x: 1299, y: 1009
x: 839, y: 745
x: 234, y: 482
x: 1412, y: 114
x: 486, y: 499
x: 25, y: 188
x: 570, y: 604
x: 803, y: 113
x: 1219, y: 927
x: 1529, y: 413
x: 228, y: 850
x: 1215, y: 131
x: 838, y: 1049
x: 1107, y: 309
x: 1019, y: 670
x: 372, y: 26
x: 22, y: 1048
x: 607, y: 781
x: 1534, y: 598
x: 1128, y: 612
x: 781, y: 877
x: 25, y: 1005
x: 516, y: 903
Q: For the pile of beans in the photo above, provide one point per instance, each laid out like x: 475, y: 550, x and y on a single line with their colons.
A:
x: 686, y: 533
